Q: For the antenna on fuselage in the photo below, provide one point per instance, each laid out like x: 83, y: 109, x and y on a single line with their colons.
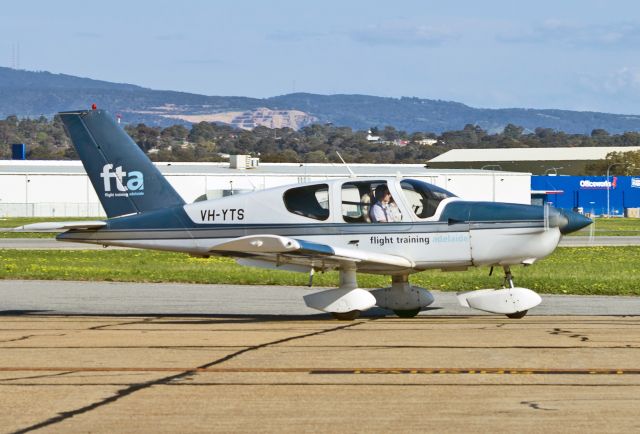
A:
x: 353, y: 175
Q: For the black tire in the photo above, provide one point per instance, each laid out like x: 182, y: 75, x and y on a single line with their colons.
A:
x: 346, y: 316
x: 517, y: 315
x: 410, y: 313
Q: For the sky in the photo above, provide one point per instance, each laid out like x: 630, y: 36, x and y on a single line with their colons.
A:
x: 576, y: 55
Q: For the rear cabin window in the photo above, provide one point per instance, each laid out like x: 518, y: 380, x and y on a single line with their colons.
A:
x: 311, y: 201
x: 423, y: 198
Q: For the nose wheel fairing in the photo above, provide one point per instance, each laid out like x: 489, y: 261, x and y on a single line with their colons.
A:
x: 508, y: 301
x: 511, y: 300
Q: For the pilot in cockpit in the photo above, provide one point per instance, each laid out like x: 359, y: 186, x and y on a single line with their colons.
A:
x: 382, y: 210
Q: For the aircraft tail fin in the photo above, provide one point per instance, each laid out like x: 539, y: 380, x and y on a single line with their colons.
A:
x: 124, y: 178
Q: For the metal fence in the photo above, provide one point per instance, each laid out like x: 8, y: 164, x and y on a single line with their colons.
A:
x: 51, y: 209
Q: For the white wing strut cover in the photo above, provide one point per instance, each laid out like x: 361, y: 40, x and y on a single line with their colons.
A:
x: 60, y: 226
x: 276, y: 244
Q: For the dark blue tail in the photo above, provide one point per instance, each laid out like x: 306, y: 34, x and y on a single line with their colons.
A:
x: 124, y: 178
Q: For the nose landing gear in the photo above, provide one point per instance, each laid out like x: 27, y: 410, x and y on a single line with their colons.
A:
x: 508, y: 280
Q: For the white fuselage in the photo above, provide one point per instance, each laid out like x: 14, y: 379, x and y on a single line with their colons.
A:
x: 428, y: 242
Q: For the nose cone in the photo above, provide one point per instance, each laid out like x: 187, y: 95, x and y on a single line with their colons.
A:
x: 574, y: 222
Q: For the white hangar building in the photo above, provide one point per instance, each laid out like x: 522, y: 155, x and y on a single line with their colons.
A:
x: 539, y: 161
x: 62, y: 188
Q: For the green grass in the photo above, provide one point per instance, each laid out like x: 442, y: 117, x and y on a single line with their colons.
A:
x: 28, y: 234
x: 611, y: 227
x: 595, y: 270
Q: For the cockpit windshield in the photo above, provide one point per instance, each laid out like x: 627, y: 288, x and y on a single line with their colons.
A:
x: 422, y: 197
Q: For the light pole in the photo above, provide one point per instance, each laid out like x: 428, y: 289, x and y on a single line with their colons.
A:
x: 609, y: 186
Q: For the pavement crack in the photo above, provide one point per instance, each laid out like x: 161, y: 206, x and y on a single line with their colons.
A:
x: 23, y: 338
x: 59, y: 374
x: 280, y: 341
x: 568, y: 333
x: 169, y: 380
x: 100, y: 327
x: 536, y: 406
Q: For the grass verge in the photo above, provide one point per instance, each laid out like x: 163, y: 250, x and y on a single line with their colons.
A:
x: 593, y: 270
x: 611, y: 227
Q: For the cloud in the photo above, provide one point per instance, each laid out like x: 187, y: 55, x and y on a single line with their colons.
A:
x: 577, y: 35
x: 624, y: 81
x: 402, y: 34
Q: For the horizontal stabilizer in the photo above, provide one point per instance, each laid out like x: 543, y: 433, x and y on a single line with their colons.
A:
x: 60, y: 226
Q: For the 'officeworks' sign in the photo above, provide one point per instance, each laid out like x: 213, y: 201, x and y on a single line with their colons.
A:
x: 599, y: 185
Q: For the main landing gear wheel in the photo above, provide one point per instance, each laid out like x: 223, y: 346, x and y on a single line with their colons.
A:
x: 410, y: 313
x: 346, y: 316
x: 517, y: 315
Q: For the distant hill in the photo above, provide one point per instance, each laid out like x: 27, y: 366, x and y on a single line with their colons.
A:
x: 32, y: 94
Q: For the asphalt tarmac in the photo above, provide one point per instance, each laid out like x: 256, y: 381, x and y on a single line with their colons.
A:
x: 136, y: 358
x: 125, y: 298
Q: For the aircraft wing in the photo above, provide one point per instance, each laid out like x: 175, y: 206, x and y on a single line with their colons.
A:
x: 59, y: 226
x: 285, y: 250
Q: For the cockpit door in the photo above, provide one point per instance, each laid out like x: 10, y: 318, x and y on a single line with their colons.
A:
x: 356, y: 200
x: 443, y: 244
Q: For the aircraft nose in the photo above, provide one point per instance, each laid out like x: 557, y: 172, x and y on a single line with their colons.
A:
x: 574, y: 222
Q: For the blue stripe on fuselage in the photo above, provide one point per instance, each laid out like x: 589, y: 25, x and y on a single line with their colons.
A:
x: 173, y: 223
x: 490, y: 211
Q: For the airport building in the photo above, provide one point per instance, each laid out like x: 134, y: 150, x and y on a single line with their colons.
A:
x: 564, y: 185
x: 62, y: 189
x: 538, y: 161
x: 592, y: 195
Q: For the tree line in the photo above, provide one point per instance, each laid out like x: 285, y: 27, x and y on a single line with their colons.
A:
x: 45, y: 139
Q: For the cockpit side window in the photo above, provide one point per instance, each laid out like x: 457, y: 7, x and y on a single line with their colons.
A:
x: 423, y: 198
x: 309, y: 201
x: 357, y: 199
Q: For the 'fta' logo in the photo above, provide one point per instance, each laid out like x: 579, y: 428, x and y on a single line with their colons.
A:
x: 125, y: 182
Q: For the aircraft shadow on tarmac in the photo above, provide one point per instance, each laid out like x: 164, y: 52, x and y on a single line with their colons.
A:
x: 218, y: 318
x: 22, y: 312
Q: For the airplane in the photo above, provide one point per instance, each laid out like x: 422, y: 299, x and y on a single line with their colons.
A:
x: 315, y: 226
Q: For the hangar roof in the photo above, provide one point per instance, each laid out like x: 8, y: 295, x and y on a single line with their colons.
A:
x: 530, y: 154
x: 264, y: 169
